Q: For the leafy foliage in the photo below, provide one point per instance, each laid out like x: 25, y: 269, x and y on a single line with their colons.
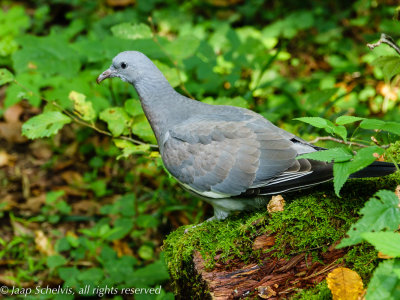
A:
x: 45, y: 124
x: 249, y: 54
x: 378, y: 214
x: 345, y: 161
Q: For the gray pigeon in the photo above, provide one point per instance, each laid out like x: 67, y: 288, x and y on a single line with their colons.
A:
x: 231, y: 157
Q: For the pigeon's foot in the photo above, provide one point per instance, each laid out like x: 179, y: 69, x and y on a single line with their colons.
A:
x: 213, y: 218
x: 219, y: 214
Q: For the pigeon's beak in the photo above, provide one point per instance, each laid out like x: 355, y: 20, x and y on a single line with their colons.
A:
x: 106, y: 74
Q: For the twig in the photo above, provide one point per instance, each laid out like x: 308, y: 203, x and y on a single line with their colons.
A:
x: 385, y: 39
x: 181, y: 84
x: 83, y: 123
x: 330, y: 138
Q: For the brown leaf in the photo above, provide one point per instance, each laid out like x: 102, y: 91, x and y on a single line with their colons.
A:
x: 6, y: 159
x: 13, y: 113
x: 265, y: 292
x: 277, y: 203
x: 263, y: 241
x: 41, y: 149
x: 43, y: 244
x: 11, y: 132
x: 122, y: 248
x: 72, y: 177
x: 345, y: 284
x: 34, y: 203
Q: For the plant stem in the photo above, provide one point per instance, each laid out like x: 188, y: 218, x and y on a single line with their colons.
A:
x: 81, y: 122
x: 385, y: 39
x: 330, y: 138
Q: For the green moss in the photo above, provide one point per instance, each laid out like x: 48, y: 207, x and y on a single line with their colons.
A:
x: 319, y: 292
x: 313, y: 219
x: 363, y: 259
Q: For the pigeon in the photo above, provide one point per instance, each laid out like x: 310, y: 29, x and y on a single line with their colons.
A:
x: 231, y: 157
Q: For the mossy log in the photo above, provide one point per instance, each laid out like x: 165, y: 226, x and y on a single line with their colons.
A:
x: 276, y: 255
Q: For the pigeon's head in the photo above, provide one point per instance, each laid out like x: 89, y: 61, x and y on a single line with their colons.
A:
x: 129, y: 66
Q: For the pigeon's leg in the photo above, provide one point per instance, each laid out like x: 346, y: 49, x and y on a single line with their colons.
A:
x: 219, y: 214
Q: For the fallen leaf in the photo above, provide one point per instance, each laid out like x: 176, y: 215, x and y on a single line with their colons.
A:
x: 277, y: 203
x: 43, y: 244
x: 265, y: 292
x: 345, y: 284
x: 13, y: 113
x: 263, y: 241
x: 397, y: 191
x: 41, y: 149
x: 11, y: 132
x: 122, y: 248
x: 6, y: 159
x: 72, y: 177
x: 34, y: 203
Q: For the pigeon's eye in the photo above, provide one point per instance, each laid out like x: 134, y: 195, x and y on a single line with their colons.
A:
x: 123, y: 65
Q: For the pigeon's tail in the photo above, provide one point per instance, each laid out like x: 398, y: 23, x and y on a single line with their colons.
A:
x: 321, y: 172
x: 376, y: 169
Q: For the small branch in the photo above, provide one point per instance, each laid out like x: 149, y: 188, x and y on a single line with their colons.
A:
x: 330, y: 138
x: 385, y: 39
x: 83, y: 123
x: 181, y: 84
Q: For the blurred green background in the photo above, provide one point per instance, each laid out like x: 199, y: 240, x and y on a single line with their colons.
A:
x: 71, y: 214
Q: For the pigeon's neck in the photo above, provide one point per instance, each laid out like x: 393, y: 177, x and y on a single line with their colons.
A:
x: 162, y: 105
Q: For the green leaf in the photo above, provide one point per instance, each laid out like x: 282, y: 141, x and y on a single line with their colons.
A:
x: 341, y: 131
x: 381, y: 212
x: 151, y: 274
x: 47, y: 55
x: 132, y: 31
x: 375, y: 124
x: 116, y: 119
x: 390, y: 65
x: 341, y: 174
x: 45, y: 124
x: 55, y: 261
x: 146, y: 252
x: 129, y: 148
x: 385, y: 284
x: 142, y: 128
x: 183, y: 47
x: 5, y: 76
x: 233, y: 101
x: 372, y: 124
x: 363, y: 158
x: 133, y: 107
x: 83, y: 107
x: 392, y: 127
x: 316, y: 122
x: 317, y: 98
x: 343, y: 120
x: 338, y: 154
x: 170, y: 73
x: 386, y: 242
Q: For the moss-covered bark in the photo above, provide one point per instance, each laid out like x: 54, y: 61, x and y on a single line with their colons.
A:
x: 311, y: 223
